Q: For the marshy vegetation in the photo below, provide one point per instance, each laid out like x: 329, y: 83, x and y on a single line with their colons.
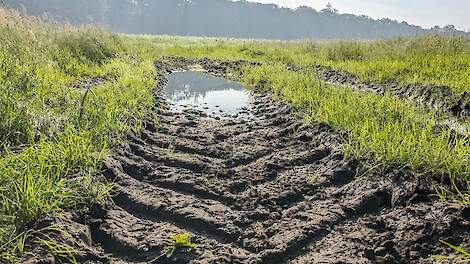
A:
x: 69, y: 94
x: 432, y: 59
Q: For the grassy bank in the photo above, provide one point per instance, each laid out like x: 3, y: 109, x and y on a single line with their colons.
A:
x: 392, y: 131
x: 435, y: 60
x: 66, y: 95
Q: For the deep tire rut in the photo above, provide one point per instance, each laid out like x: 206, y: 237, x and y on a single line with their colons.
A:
x: 265, y: 189
x: 241, y: 183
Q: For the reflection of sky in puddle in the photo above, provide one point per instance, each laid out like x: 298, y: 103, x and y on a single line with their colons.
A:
x: 206, y: 92
x: 461, y: 128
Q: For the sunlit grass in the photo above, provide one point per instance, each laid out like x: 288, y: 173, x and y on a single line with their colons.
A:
x: 435, y: 60
x: 385, y: 128
x: 52, y: 137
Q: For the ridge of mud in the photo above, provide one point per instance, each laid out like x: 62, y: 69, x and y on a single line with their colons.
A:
x: 431, y: 96
x: 270, y: 189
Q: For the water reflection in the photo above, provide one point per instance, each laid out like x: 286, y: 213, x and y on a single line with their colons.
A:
x: 205, y: 92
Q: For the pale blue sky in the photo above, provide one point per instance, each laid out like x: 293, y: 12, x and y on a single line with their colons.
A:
x: 424, y: 13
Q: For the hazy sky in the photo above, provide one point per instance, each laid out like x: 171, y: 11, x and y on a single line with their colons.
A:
x: 424, y: 13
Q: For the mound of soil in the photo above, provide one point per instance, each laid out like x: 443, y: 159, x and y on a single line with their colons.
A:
x: 270, y: 189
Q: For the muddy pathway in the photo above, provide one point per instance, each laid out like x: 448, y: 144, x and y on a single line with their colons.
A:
x: 265, y: 189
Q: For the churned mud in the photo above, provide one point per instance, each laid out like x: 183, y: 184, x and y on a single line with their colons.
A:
x: 264, y: 189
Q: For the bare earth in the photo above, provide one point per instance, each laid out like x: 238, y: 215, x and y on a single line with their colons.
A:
x: 269, y: 189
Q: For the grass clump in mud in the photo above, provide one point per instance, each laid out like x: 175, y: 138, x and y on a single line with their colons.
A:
x: 395, y: 132
x: 52, y: 137
x: 180, y: 241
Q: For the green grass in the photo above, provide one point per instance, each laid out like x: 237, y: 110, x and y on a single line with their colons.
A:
x: 52, y: 137
x: 436, y: 60
x: 432, y: 60
x: 392, y: 131
x: 462, y: 256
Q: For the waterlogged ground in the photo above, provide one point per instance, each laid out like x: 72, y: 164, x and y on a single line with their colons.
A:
x: 212, y: 95
x: 266, y: 189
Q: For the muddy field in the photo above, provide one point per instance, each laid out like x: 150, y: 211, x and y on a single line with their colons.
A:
x: 265, y: 189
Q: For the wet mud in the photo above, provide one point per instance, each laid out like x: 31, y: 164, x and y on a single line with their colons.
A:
x: 269, y: 189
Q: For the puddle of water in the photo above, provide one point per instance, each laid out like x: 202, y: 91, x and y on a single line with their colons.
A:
x: 210, y: 94
x: 459, y: 127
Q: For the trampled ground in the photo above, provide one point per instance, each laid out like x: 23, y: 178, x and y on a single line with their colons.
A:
x: 265, y: 189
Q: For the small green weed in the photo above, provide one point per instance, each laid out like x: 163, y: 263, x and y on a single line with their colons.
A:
x: 179, y: 241
x: 170, y: 151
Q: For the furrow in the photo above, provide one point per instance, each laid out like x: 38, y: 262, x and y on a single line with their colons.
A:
x: 307, y: 226
x: 183, y: 145
x: 190, y: 162
x: 123, y: 234
x: 202, y: 216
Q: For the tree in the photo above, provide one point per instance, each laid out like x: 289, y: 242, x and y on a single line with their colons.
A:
x: 450, y: 29
x: 329, y: 9
x: 220, y: 18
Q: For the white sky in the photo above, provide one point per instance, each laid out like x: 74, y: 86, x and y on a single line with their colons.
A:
x: 425, y: 13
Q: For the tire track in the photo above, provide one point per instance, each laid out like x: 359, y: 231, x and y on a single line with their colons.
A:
x: 269, y: 189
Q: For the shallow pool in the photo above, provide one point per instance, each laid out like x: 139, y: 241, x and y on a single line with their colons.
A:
x: 210, y: 94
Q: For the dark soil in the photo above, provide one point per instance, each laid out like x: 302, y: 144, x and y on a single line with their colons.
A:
x: 270, y: 189
x: 438, y: 97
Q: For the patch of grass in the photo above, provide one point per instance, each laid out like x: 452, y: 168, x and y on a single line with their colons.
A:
x: 51, y: 143
x: 180, y: 241
x: 433, y: 59
x: 385, y: 128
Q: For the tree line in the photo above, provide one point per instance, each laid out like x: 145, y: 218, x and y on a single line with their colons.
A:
x: 220, y: 18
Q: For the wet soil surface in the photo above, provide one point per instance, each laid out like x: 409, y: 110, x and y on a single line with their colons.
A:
x: 439, y: 97
x: 269, y: 189
x: 215, y: 96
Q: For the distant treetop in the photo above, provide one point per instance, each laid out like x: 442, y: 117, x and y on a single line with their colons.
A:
x: 221, y: 18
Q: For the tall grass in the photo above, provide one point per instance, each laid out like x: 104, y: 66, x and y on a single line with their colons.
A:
x: 385, y: 128
x: 436, y: 60
x: 54, y: 132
